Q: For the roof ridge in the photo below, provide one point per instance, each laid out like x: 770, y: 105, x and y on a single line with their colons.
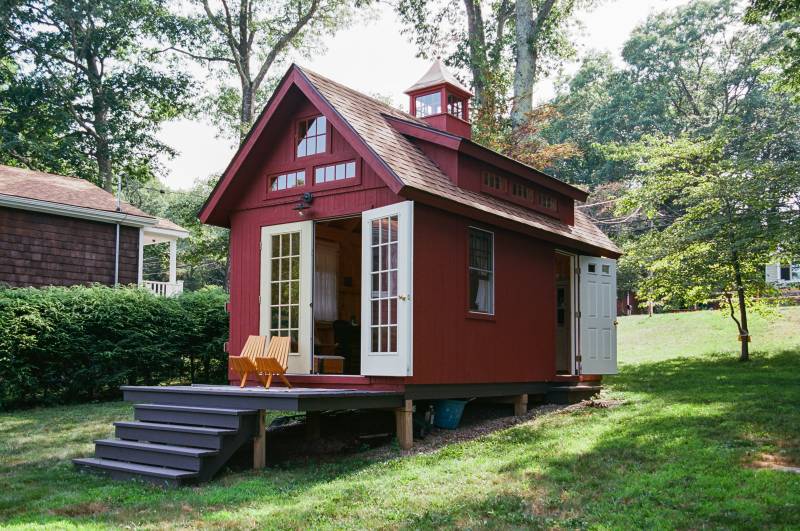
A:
x: 405, y: 115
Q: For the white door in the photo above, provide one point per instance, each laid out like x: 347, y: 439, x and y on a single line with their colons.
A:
x: 598, y: 315
x: 286, y: 286
x: 386, y: 290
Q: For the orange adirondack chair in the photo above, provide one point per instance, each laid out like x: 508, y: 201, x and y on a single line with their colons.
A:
x: 275, y: 362
x: 254, y: 361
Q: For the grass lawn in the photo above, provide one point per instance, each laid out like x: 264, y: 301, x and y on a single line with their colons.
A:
x: 677, y: 453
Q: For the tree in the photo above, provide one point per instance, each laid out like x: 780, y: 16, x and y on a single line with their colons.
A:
x: 249, y: 39
x: 729, y: 209
x: 787, y: 13
x: 687, y: 71
x: 85, y: 97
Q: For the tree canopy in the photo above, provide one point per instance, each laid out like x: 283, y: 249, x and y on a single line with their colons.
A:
x: 82, y: 93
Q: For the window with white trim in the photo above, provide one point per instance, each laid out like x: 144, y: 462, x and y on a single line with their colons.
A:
x: 312, y: 136
x: 285, y: 181
x: 481, y: 271
x: 335, y: 172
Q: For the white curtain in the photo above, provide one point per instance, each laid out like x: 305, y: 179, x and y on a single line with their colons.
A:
x: 326, y: 269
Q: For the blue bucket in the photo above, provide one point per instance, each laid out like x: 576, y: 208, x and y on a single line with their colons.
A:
x: 447, y: 413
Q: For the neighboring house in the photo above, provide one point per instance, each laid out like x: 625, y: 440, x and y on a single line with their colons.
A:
x: 62, y: 231
x: 782, y: 275
x: 435, y: 261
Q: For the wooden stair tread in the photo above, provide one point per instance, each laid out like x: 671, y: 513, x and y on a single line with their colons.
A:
x: 155, y: 447
x: 134, y: 468
x: 200, y: 430
x: 191, y: 409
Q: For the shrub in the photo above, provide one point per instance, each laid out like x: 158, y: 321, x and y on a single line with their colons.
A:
x: 76, y: 344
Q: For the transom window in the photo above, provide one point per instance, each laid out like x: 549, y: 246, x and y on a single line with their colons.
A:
x: 481, y: 271
x: 288, y: 180
x: 383, y: 295
x: 312, y: 136
x: 335, y: 172
x: 494, y: 181
x: 428, y: 105
x: 521, y: 191
x: 285, y: 288
x: 455, y: 106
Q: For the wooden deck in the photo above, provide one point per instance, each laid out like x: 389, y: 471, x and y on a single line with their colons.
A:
x: 258, y: 398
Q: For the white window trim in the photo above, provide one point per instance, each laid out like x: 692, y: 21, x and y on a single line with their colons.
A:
x: 470, y: 268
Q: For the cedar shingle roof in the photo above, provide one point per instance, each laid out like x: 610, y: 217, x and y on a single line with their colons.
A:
x: 414, y: 169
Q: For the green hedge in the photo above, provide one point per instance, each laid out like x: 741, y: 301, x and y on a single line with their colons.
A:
x: 77, y: 344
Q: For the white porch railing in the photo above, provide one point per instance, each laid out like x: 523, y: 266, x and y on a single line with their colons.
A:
x: 164, y: 289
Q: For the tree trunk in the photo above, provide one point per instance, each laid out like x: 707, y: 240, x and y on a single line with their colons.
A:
x: 525, y: 69
x: 744, y: 334
x: 477, y: 48
x: 246, y: 116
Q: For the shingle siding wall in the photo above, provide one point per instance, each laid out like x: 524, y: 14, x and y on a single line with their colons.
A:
x: 39, y: 249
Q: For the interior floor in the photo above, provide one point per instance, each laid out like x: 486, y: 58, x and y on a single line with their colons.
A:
x: 564, y: 313
x: 337, y: 297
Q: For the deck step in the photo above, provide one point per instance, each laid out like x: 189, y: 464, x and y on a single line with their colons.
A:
x: 194, y: 416
x: 124, y: 470
x: 173, y: 434
x: 177, y: 457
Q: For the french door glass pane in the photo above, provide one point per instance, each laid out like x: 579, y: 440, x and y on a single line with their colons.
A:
x: 383, y: 295
x: 285, y: 287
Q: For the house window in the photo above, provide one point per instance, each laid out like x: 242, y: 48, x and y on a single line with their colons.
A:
x: 786, y: 273
x: 481, y: 271
x: 312, y: 136
x: 428, y: 105
x: 287, y: 180
x: 335, y: 172
x: 494, y: 182
x: 547, y: 201
x: 455, y: 106
x: 521, y: 192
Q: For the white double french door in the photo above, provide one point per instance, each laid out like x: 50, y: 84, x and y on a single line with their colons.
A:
x: 286, y: 288
x: 287, y: 276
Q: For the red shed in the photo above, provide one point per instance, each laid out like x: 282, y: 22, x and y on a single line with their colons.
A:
x: 399, y: 254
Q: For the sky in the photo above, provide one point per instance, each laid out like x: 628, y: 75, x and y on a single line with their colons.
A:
x: 373, y: 57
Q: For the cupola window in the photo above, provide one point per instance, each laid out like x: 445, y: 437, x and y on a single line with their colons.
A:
x: 428, y: 104
x: 455, y: 106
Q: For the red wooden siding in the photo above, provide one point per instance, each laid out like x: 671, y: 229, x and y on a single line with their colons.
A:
x: 39, y: 249
x: 518, y: 344
x: 255, y: 208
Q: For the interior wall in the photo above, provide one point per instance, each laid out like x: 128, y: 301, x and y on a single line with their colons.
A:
x: 340, y: 336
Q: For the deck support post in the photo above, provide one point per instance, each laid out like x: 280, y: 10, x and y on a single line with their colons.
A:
x: 404, y: 419
x: 520, y: 405
x: 313, y: 425
x: 260, y: 442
